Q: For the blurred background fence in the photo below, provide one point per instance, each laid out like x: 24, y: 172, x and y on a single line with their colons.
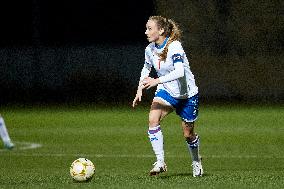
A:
x: 88, y: 52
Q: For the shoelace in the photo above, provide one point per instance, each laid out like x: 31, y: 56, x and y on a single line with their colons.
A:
x: 156, y: 165
x: 195, y: 167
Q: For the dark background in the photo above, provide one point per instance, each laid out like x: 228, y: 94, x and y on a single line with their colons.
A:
x: 92, y: 51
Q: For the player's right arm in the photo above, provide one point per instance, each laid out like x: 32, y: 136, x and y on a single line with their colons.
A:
x: 144, y: 74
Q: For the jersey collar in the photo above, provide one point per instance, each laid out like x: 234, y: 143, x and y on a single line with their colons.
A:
x: 163, y: 44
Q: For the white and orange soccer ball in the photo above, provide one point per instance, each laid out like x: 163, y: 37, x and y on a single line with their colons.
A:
x: 82, y: 169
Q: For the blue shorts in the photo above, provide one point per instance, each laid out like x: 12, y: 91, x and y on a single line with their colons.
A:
x: 187, y: 108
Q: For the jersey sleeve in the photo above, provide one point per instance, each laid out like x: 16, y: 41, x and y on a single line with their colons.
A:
x: 178, y: 72
x: 176, y: 52
x: 147, y: 65
x: 176, y: 56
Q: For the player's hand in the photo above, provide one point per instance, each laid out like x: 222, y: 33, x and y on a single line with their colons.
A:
x: 138, y: 96
x: 150, y: 82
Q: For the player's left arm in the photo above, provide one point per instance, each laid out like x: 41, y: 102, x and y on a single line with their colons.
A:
x: 176, y: 55
x: 178, y: 72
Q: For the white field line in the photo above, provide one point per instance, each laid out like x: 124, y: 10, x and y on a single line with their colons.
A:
x: 23, y: 146
x: 138, y: 156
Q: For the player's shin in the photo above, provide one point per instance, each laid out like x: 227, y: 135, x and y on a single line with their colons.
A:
x: 3, y: 131
x: 193, y: 147
x: 156, y: 138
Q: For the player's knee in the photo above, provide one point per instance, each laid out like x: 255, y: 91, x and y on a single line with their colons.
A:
x: 189, y: 135
x: 188, y: 130
x: 153, y: 122
x: 154, y: 118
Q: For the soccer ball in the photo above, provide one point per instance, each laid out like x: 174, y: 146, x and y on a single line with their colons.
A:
x: 82, y: 169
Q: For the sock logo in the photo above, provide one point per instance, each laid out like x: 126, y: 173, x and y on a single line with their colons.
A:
x: 195, y: 143
x: 154, y: 138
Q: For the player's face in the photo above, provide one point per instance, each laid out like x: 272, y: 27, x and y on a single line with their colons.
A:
x: 153, y: 32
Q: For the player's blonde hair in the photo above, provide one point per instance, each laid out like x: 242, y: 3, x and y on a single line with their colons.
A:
x: 171, y: 30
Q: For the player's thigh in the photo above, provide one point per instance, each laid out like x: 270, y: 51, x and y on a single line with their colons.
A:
x: 158, y: 111
x: 187, y: 109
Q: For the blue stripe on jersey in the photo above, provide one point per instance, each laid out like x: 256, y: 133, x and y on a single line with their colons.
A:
x: 177, y: 58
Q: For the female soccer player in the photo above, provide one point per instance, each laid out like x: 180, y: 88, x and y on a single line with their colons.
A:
x: 4, y: 135
x: 176, y: 89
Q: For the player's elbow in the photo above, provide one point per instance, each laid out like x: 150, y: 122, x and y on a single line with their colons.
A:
x: 179, y: 69
x: 180, y: 74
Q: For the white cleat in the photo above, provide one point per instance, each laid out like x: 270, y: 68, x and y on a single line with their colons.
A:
x: 158, y: 168
x: 9, y: 145
x: 197, y: 169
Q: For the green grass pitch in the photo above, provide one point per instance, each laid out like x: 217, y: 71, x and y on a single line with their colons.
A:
x: 242, y: 147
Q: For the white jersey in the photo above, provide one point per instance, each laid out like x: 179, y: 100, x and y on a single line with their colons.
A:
x: 174, y: 73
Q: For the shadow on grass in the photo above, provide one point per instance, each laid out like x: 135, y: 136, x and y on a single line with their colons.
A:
x: 180, y: 175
